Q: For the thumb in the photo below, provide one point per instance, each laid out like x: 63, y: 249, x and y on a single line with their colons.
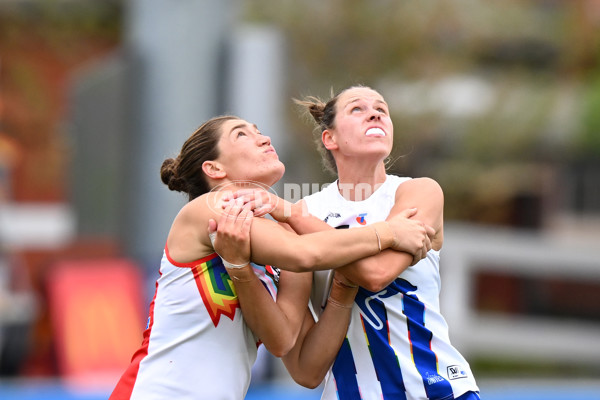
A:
x: 212, y: 226
x: 212, y: 231
x: 409, y: 212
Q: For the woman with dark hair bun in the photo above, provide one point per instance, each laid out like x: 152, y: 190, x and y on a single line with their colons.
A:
x: 197, y: 344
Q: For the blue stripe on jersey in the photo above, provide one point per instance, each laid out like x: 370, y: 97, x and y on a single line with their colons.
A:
x: 436, y: 386
x: 384, y: 358
x: 344, y: 372
x: 385, y: 361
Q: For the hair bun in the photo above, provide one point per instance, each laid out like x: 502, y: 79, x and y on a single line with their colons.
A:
x: 168, y: 175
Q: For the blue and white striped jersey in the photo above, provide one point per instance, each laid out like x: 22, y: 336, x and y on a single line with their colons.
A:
x: 397, y: 345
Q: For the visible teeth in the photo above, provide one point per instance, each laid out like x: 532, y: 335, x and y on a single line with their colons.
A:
x: 375, y: 132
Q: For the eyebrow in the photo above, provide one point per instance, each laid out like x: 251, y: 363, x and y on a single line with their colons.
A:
x: 360, y: 98
x: 240, y: 126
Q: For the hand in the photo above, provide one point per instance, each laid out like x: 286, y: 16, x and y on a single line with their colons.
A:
x: 232, y: 239
x: 262, y: 202
x: 411, y: 236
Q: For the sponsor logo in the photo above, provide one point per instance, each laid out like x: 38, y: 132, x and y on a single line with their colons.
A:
x: 361, y: 219
x: 456, y: 372
x: 433, y: 378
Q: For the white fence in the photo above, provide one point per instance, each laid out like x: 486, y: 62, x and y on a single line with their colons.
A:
x: 469, y: 250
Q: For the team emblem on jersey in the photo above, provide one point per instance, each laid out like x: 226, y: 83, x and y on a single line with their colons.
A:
x: 331, y: 215
x: 361, y: 219
x: 216, y: 289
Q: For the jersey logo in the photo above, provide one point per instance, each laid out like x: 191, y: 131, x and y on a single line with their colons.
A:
x: 331, y: 215
x: 216, y: 289
x: 456, y: 372
x: 361, y: 219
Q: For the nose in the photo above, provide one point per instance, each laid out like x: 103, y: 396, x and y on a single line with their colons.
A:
x: 264, y: 140
x: 375, y: 116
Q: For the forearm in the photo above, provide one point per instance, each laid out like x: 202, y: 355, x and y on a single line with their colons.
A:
x: 319, y: 250
x: 261, y: 313
x: 376, y: 272
x: 318, y: 344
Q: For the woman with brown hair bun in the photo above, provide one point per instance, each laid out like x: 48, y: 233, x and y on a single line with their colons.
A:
x: 197, y: 343
x: 397, y: 345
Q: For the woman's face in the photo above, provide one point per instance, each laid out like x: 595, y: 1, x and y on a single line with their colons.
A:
x: 362, y: 124
x: 247, y: 155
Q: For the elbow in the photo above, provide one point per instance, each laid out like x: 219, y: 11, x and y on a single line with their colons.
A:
x: 310, y: 384
x: 280, y: 348
x: 378, y: 273
x: 278, y: 352
x: 305, y: 260
x: 375, y: 286
x: 376, y: 281
x: 309, y: 381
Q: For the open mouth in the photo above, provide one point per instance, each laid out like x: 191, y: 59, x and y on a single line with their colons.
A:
x: 376, y: 132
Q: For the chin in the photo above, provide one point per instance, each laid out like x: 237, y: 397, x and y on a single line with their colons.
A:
x: 277, y: 175
x: 271, y: 175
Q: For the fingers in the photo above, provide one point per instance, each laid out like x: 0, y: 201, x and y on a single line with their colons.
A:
x: 234, y: 211
x: 247, y: 216
x: 238, y: 194
x: 258, y: 200
x: 430, y: 231
x: 232, y: 233
x: 409, y: 212
x: 260, y: 211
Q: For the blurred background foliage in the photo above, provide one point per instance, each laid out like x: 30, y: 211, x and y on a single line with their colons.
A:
x: 524, y: 77
x: 526, y: 72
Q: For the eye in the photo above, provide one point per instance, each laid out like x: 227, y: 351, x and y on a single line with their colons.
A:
x: 240, y: 133
x: 355, y: 108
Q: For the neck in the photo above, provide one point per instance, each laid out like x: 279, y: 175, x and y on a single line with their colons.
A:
x: 358, y: 182
x: 234, y: 185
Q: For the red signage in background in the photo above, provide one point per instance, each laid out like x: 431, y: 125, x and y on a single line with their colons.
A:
x: 96, y: 311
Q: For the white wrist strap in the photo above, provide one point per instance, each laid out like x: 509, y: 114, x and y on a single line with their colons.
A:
x: 226, y: 263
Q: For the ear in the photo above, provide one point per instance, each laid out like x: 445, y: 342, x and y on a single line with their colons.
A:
x: 213, y: 170
x: 329, y: 140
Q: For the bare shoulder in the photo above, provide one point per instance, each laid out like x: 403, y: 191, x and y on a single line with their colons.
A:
x: 188, y: 238
x: 425, y: 186
x: 201, y: 209
x: 427, y: 196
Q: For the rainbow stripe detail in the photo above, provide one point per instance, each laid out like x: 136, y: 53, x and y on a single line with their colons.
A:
x: 216, y: 288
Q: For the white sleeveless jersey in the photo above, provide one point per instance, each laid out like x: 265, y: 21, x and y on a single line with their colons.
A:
x: 196, y: 344
x: 397, y: 345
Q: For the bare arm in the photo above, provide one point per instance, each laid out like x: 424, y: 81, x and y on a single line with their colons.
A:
x: 377, y: 271
x: 272, y: 244
x: 287, y: 322
x: 276, y: 324
x: 318, y: 343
